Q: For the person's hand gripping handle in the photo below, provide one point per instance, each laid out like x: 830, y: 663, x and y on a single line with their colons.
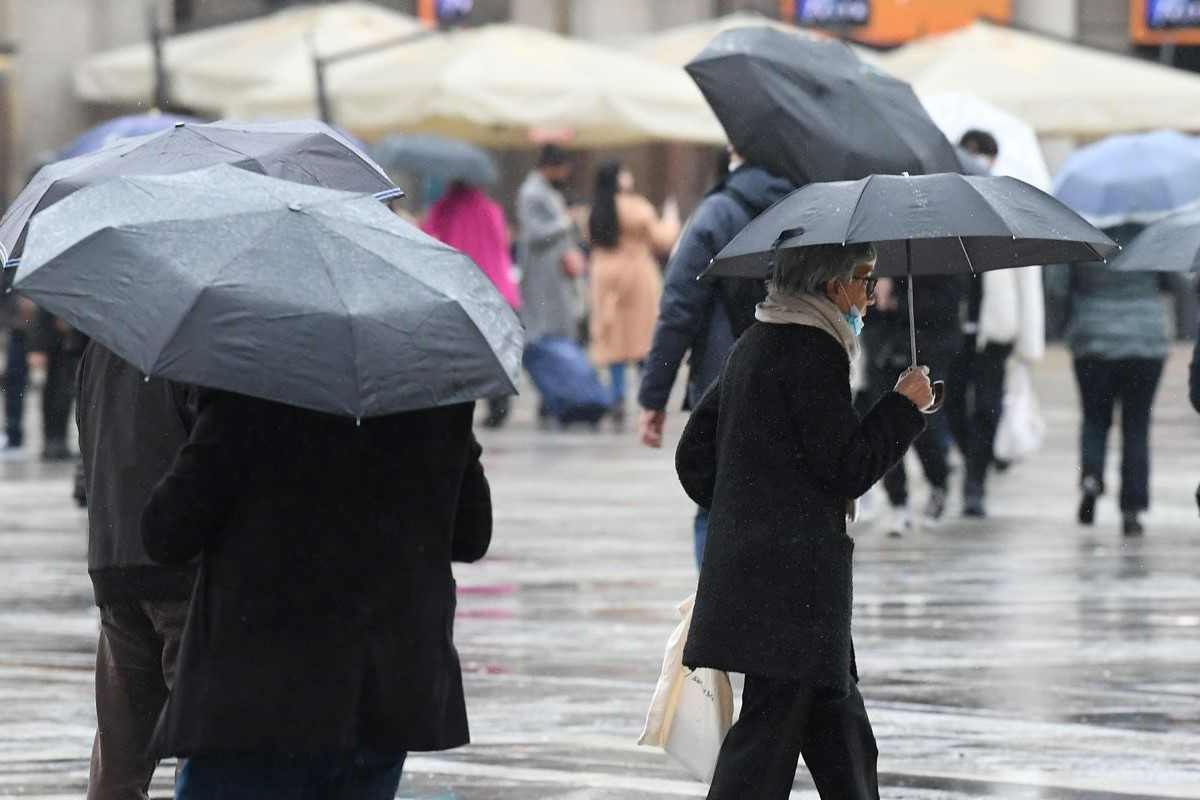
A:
x: 914, y: 384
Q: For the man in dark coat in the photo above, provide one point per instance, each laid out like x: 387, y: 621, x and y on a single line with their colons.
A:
x: 319, y: 645
x: 777, y: 453
x: 703, y: 318
x: 130, y: 429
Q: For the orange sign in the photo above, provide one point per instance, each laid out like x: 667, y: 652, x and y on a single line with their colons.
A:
x: 1152, y: 22
x: 894, y: 22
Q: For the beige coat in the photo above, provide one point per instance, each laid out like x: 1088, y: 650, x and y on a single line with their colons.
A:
x: 626, y: 282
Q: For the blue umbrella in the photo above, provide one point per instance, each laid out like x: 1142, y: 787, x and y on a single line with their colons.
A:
x: 1139, y: 178
x: 111, y: 130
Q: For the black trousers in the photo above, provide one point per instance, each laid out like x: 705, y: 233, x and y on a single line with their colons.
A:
x: 936, y: 350
x: 58, y: 395
x: 1102, y: 385
x: 780, y: 721
x: 16, y: 382
x: 975, y: 398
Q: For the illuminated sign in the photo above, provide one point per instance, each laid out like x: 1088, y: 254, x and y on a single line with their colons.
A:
x: 1165, y: 14
x: 832, y: 12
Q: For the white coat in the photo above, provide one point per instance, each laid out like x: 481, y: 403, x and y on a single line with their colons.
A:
x: 1013, y: 312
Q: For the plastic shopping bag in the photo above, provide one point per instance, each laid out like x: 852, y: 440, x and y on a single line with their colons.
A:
x: 691, y: 710
x: 1022, y: 427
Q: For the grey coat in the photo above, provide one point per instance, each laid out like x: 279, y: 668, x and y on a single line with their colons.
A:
x: 550, y: 302
x: 1116, y: 315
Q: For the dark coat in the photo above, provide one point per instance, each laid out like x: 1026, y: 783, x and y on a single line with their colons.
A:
x: 775, y: 451
x: 130, y: 429
x: 691, y: 315
x: 1194, y: 376
x: 322, y: 619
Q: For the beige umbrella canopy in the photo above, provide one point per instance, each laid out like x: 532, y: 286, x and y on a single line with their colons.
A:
x: 501, y: 86
x: 677, y: 46
x: 207, y: 68
x: 1059, y: 88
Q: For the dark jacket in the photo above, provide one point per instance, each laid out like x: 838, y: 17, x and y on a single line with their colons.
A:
x: 692, y: 316
x: 129, y: 432
x: 775, y: 451
x: 322, y: 619
x: 1194, y: 376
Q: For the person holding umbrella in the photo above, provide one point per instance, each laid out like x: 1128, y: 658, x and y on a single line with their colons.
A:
x: 777, y: 453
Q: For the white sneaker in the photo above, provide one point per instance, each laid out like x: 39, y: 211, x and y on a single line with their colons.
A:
x: 901, y: 522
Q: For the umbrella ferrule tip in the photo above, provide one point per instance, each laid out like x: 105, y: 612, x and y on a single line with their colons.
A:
x: 294, y: 207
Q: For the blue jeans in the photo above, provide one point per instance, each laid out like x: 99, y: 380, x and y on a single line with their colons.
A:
x: 700, y: 534
x: 365, y: 776
x: 616, y: 384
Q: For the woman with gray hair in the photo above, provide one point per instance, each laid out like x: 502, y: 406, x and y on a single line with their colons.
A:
x: 778, y: 455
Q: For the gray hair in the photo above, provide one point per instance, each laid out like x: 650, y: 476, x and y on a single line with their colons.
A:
x: 806, y: 270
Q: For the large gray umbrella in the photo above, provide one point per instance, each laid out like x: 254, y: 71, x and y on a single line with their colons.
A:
x: 921, y: 225
x: 437, y: 157
x: 808, y: 109
x: 1169, y: 245
x: 306, y: 296
x: 303, y: 151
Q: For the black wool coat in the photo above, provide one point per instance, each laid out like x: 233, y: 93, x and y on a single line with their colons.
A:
x: 322, y: 617
x: 775, y: 450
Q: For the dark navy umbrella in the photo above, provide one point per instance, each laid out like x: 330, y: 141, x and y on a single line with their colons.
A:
x: 111, y: 130
x: 921, y: 225
x: 311, y: 297
x: 305, y: 151
x: 808, y: 109
x: 437, y: 157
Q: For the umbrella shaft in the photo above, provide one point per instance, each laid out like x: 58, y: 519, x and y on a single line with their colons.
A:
x: 912, y: 312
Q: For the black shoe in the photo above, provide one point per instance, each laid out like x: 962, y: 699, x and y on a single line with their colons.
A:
x: 973, y: 506
x: 1132, y: 526
x: 1087, y: 504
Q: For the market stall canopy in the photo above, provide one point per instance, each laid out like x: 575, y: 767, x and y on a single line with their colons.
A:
x: 207, y: 68
x: 501, y: 86
x: 1057, y: 87
x: 1020, y: 152
x: 677, y: 46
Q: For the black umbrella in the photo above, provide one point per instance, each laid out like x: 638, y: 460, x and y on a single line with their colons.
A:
x: 1169, y: 245
x: 808, y: 109
x: 306, y: 296
x: 437, y: 157
x: 303, y: 151
x: 921, y: 225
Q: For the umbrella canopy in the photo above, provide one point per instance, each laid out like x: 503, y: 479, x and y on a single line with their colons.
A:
x: 297, y: 294
x: 437, y: 157
x: 206, y: 68
x: 303, y: 152
x: 949, y: 223
x: 808, y: 109
x: 1134, y: 178
x: 1169, y: 245
x: 677, y: 46
x: 1059, y: 88
x: 501, y: 86
x: 1020, y: 154
x: 111, y: 130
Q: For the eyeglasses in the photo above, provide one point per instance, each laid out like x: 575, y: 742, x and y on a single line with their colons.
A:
x: 869, y: 284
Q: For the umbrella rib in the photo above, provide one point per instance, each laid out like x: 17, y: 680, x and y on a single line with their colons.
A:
x: 337, y: 291
x: 967, y: 255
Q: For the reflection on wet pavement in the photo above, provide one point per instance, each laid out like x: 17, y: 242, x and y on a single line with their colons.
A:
x: 1022, y: 657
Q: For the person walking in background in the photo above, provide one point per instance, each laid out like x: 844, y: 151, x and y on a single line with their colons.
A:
x: 130, y: 429
x: 1005, y: 314
x: 548, y: 250
x: 61, y: 346
x: 626, y: 236
x: 703, y: 318
x: 19, y: 316
x: 319, y: 647
x: 468, y: 220
x: 777, y: 453
x: 939, y: 301
x: 1117, y: 329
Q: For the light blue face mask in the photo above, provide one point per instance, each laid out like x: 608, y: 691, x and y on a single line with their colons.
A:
x: 855, y: 318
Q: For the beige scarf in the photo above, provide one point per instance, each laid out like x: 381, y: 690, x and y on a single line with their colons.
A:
x: 814, y: 311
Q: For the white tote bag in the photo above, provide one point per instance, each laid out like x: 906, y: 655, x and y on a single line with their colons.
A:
x: 691, y: 710
x: 1022, y: 427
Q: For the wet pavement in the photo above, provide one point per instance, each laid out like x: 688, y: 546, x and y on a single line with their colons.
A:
x: 1021, y: 657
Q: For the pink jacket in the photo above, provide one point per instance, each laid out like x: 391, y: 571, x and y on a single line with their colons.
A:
x: 468, y: 220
